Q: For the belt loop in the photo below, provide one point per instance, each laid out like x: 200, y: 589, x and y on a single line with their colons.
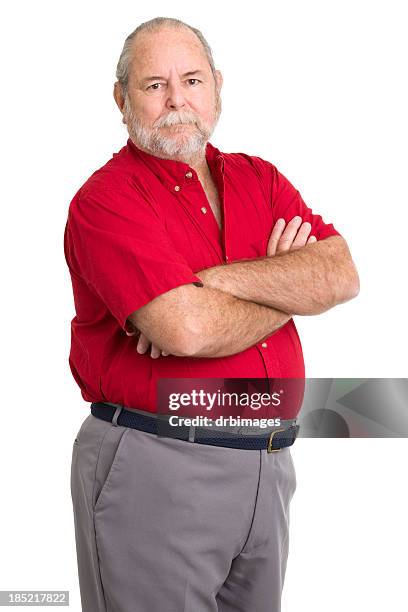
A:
x: 116, y: 415
x: 191, y: 433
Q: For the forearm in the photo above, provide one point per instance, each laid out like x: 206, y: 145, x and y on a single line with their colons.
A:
x: 205, y: 322
x: 305, y: 281
x: 230, y: 325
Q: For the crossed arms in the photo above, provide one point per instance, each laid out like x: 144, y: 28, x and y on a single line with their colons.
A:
x: 246, y: 301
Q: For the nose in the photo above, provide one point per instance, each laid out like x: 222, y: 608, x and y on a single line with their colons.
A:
x: 175, y: 99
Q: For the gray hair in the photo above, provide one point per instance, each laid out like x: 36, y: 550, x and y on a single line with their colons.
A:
x: 123, y: 67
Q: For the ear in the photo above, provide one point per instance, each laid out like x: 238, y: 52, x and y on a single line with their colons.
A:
x: 218, y: 80
x: 118, y: 95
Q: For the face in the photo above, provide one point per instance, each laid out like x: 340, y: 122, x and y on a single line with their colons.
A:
x: 173, y: 101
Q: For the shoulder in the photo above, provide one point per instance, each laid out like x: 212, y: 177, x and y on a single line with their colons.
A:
x: 112, y: 187
x: 248, y: 167
x: 273, y: 183
x: 253, y: 164
x: 116, y: 174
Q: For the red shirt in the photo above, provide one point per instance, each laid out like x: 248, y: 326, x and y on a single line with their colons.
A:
x: 140, y: 226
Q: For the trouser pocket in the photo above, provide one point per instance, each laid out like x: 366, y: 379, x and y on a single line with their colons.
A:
x: 111, y: 447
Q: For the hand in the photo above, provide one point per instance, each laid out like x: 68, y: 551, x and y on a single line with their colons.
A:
x: 294, y: 236
x: 144, y: 342
x: 143, y: 345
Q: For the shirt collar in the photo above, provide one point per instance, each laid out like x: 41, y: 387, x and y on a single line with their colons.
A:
x: 175, y: 174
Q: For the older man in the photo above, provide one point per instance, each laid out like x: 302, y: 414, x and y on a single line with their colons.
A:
x: 186, y: 263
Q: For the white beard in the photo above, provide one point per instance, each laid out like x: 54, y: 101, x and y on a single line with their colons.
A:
x: 185, y: 142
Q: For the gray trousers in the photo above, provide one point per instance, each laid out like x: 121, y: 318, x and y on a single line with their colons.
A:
x: 169, y: 525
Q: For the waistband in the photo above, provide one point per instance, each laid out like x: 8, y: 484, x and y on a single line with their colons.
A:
x: 273, y: 441
x: 237, y: 429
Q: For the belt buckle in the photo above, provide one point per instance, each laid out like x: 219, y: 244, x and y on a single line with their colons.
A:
x: 270, y: 449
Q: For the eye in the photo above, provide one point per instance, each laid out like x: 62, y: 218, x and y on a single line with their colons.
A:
x: 154, y: 86
x: 195, y: 81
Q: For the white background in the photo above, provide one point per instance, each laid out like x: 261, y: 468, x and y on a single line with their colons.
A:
x: 319, y: 88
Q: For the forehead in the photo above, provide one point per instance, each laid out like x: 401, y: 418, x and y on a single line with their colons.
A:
x: 161, y: 49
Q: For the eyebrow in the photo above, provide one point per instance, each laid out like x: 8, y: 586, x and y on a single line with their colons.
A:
x: 162, y: 78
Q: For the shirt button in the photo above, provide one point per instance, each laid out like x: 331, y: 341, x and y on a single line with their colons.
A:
x: 177, y: 188
x: 264, y: 345
x: 189, y: 175
x: 204, y: 210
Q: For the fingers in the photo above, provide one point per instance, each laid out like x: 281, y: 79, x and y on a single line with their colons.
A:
x: 130, y: 333
x: 142, y: 344
x: 295, y: 236
x: 289, y: 234
x: 130, y: 330
x: 302, y: 235
x: 275, y: 236
x: 155, y: 352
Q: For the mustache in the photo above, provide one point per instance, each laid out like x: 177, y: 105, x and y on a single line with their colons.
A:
x: 176, y: 117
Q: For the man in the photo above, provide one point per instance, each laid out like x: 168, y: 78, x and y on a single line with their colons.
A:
x: 185, y: 263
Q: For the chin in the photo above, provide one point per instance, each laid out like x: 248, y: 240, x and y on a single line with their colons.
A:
x: 182, y: 146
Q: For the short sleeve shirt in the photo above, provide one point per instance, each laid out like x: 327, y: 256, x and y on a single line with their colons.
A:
x: 141, y: 226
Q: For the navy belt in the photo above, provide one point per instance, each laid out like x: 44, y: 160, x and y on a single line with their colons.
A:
x: 274, y: 441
